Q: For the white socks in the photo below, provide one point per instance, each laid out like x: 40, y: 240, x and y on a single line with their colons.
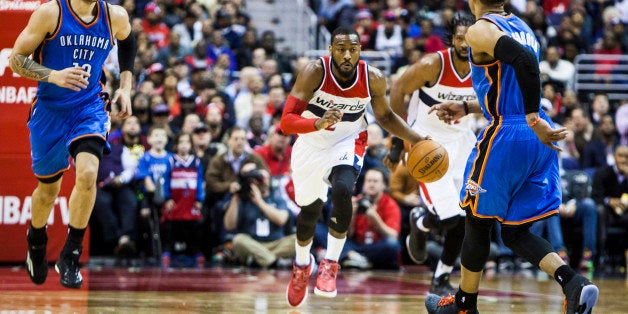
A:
x: 334, y: 247
x: 442, y: 269
x: 303, y: 253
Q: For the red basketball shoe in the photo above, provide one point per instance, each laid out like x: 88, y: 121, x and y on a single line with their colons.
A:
x: 326, y: 281
x: 296, y: 293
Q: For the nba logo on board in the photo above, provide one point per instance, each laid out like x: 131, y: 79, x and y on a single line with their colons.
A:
x: 474, y: 188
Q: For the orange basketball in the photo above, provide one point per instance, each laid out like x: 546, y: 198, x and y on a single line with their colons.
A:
x: 427, y: 161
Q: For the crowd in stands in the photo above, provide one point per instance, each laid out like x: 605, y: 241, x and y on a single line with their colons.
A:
x: 203, y: 164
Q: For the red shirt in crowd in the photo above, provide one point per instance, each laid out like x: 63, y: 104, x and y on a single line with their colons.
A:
x: 158, y: 34
x: 390, y: 213
x: 276, y: 166
x: 606, y: 66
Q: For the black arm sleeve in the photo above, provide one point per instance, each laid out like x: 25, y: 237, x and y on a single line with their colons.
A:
x: 526, y: 69
x: 126, y: 53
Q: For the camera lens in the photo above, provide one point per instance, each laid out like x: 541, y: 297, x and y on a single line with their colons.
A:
x: 363, y: 205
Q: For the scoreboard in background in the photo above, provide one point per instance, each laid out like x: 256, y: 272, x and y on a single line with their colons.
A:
x: 16, y: 177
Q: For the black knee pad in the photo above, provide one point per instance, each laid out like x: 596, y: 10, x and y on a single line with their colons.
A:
x: 477, y: 243
x: 307, y: 218
x: 453, y: 240
x: 52, y: 179
x: 342, y: 182
x: 92, y: 145
x: 525, y: 244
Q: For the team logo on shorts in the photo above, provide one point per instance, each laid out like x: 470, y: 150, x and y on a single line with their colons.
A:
x: 474, y: 188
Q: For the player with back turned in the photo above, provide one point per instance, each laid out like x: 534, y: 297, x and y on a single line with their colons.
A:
x: 70, y: 41
x: 440, y: 77
x: 326, y: 108
x: 512, y: 173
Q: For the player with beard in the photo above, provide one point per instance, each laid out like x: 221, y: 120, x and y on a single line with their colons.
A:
x: 440, y: 77
x: 326, y: 108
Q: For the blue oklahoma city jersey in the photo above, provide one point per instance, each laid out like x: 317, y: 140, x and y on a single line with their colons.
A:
x: 60, y: 116
x: 510, y: 175
x: 75, y: 43
x: 489, y: 81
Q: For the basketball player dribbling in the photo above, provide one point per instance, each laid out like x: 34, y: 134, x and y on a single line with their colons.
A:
x: 326, y: 108
x: 440, y: 77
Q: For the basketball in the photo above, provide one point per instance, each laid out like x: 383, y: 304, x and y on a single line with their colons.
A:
x: 427, y: 161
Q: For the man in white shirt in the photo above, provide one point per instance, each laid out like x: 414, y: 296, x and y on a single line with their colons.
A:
x: 556, y: 68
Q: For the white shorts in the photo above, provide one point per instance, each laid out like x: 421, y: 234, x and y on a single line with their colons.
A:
x: 311, y: 166
x: 443, y: 196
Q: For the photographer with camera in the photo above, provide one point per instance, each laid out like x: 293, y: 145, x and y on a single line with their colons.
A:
x: 221, y: 180
x: 259, y: 220
x: 373, y: 236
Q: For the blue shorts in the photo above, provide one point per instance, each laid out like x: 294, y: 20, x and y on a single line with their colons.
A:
x: 511, y: 176
x: 52, y: 131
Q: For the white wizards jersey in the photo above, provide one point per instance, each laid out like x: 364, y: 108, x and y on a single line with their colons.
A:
x: 352, y: 101
x: 449, y: 87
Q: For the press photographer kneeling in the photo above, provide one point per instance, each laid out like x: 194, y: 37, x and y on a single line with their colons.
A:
x: 259, y: 220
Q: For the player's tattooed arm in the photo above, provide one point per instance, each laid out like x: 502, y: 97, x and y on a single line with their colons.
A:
x: 74, y: 78
x: 43, y: 22
x: 26, y: 67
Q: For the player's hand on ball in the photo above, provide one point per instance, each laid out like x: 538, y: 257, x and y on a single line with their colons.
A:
x: 74, y: 78
x: 448, y: 111
x: 331, y: 117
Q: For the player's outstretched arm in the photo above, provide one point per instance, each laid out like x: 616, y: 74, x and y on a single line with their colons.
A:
x: 382, y: 111
x: 291, y: 120
x: 452, y: 110
x: 422, y: 73
x: 42, y: 22
x: 121, y: 28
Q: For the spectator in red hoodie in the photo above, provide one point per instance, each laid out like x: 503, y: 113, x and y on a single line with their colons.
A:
x: 429, y: 42
x: 365, y: 26
x: 276, y: 152
x: 157, y: 31
x: 610, y: 45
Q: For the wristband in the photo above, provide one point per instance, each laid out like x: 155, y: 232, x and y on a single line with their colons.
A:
x: 466, y: 107
x: 533, y: 123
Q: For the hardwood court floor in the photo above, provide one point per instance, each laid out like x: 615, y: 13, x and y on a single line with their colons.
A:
x: 236, y: 290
